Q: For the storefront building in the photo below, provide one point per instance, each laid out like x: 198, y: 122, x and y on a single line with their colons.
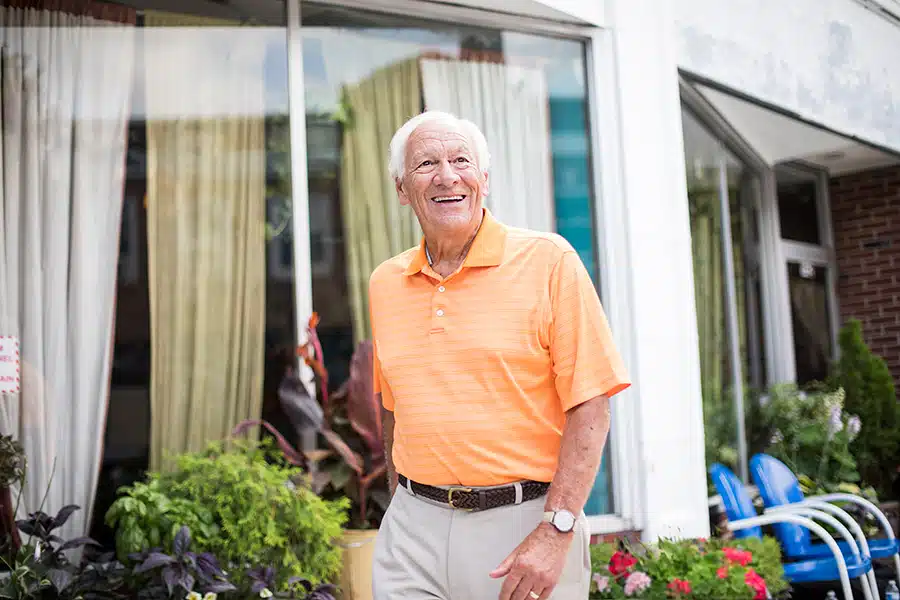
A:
x: 184, y: 183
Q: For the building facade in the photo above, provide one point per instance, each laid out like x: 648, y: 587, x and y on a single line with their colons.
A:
x: 185, y: 183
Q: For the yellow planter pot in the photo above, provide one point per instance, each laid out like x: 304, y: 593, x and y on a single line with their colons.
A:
x: 359, y: 551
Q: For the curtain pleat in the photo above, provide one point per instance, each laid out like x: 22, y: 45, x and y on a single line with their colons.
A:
x: 206, y: 233
x: 376, y: 226
x: 66, y: 92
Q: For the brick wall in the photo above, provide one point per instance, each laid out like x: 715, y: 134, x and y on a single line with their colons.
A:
x: 866, y: 220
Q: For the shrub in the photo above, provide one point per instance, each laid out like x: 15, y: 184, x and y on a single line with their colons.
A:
x: 691, y: 569
x: 870, y: 393
x: 261, y: 516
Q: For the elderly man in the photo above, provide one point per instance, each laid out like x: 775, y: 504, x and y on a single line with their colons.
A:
x: 495, y: 364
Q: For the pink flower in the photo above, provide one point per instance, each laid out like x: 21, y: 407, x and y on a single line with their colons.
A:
x: 636, y: 583
x: 621, y: 563
x: 740, y: 557
x: 722, y: 573
x: 757, y: 584
x: 679, y: 587
x: 601, y: 582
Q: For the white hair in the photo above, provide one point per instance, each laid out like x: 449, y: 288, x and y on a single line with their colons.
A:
x: 397, y: 160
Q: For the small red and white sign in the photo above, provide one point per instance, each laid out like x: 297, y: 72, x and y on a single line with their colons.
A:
x: 10, y: 368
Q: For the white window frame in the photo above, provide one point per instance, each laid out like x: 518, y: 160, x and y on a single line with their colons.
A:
x: 599, y: 66
x: 819, y: 255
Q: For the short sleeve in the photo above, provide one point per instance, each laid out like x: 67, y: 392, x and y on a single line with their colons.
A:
x: 379, y: 386
x: 586, y: 362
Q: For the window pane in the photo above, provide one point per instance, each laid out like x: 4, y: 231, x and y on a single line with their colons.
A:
x: 365, y: 74
x: 797, y: 206
x: 705, y: 155
x: 808, y: 286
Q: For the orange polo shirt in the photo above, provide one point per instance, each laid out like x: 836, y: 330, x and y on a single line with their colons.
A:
x: 480, y: 367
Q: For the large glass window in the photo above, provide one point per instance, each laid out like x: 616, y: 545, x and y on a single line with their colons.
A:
x: 145, y: 264
x: 365, y: 74
x: 722, y: 194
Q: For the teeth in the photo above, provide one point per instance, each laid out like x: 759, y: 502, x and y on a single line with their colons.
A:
x: 448, y: 198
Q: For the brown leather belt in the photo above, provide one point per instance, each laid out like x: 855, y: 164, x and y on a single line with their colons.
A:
x: 468, y: 499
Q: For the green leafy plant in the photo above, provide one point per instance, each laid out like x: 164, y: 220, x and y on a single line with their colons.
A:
x: 811, y: 434
x: 12, y: 461
x: 263, y: 517
x: 870, y: 393
x: 146, y: 517
x: 748, y: 569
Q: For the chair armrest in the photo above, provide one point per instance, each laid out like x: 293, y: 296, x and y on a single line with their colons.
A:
x: 812, y: 511
x: 859, y: 501
x: 777, y: 517
x: 835, y: 511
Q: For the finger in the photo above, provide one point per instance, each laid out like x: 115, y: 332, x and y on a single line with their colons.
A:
x: 524, y: 589
x: 504, y: 568
x: 509, y: 586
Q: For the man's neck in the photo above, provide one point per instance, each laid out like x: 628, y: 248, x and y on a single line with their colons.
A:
x: 446, y: 255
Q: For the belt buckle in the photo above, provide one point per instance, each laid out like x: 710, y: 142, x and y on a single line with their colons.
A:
x: 450, y: 493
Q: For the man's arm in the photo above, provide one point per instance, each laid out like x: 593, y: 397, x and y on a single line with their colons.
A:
x: 387, y: 430
x: 537, y: 563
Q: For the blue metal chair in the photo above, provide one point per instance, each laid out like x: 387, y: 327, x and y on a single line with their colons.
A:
x: 744, y: 522
x: 779, y: 488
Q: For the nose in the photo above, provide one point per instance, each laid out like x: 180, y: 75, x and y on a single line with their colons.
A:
x: 446, y: 175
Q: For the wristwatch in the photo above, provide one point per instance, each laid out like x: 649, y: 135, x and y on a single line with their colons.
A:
x: 563, y: 520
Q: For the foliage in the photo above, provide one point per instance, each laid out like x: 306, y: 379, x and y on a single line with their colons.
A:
x: 747, y: 569
x: 807, y: 430
x: 261, y: 515
x: 41, y: 571
x: 357, y: 466
x: 812, y: 434
x: 12, y: 461
x: 146, y: 517
x: 183, y: 570
x: 870, y: 393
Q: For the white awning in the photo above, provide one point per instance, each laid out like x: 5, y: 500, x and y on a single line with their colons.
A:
x: 777, y: 137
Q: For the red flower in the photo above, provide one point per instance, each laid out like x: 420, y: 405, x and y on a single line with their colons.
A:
x: 757, y: 583
x: 621, y: 563
x: 740, y: 557
x: 679, y: 587
x: 722, y: 573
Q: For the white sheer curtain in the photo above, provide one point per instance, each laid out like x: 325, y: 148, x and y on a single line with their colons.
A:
x: 511, y: 106
x: 65, y: 92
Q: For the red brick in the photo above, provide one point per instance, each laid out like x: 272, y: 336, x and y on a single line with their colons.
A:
x: 865, y: 208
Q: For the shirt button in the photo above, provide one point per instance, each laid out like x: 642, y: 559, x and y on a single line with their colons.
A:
x: 440, y: 312
x: 441, y: 288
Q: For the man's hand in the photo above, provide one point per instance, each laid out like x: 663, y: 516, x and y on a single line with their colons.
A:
x: 535, y: 565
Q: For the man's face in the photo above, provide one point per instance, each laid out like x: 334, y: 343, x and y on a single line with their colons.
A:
x: 441, y: 180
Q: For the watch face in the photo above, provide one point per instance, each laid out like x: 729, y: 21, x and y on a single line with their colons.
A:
x: 564, y: 521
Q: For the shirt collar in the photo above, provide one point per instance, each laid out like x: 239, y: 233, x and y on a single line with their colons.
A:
x: 486, y: 251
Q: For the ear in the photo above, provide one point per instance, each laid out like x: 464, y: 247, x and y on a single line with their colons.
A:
x: 401, y: 193
x: 486, y: 188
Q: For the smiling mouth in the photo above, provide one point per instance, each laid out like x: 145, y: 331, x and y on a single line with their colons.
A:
x: 448, y: 199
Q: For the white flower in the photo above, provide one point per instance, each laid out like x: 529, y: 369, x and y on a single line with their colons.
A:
x: 265, y: 593
x: 601, y: 582
x: 854, y: 424
x: 835, y: 423
x: 209, y: 596
x: 193, y: 596
x: 777, y: 437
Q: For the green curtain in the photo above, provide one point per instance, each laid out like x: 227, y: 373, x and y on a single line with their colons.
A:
x: 376, y: 226
x: 709, y: 291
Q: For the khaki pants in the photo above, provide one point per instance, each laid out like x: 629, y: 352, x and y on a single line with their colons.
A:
x: 428, y: 551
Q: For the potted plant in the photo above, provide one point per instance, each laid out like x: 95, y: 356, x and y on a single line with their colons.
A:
x: 12, y: 472
x: 355, y: 466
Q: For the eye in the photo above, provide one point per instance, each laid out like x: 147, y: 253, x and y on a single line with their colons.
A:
x: 425, y: 163
x: 462, y: 159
